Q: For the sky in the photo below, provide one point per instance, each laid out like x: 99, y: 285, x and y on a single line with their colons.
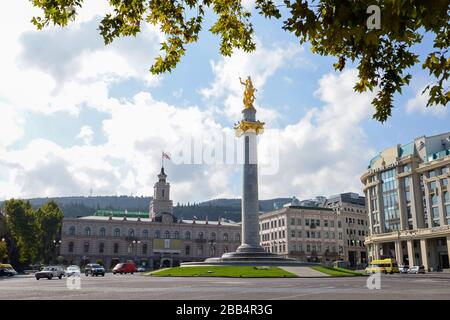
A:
x: 79, y: 118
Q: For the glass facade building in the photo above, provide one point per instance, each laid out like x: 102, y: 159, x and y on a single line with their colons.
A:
x: 408, y: 202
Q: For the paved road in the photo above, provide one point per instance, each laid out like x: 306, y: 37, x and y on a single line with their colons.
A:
x: 430, y: 286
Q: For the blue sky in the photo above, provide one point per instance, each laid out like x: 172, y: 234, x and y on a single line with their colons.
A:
x: 77, y: 115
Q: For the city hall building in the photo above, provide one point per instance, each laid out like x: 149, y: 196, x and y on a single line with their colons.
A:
x: 155, y: 239
x: 325, y: 231
x: 408, y: 202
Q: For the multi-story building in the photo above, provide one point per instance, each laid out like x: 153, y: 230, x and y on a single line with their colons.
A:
x: 153, y: 239
x: 351, y: 210
x: 328, y: 230
x: 408, y: 202
x: 312, y: 234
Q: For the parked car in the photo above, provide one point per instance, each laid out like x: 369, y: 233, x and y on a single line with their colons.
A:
x: 49, y: 272
x: 94, y: 269
x: 140, y: 269
x: 417, y: 269
x: 403, y: 268
x: 126, y: 267
x: 73, y: 271
x: 6, y: 270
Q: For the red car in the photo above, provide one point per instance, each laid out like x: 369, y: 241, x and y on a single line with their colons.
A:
x: 126, y: 267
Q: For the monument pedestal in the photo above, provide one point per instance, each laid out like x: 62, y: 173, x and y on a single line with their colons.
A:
x: 248, y: 259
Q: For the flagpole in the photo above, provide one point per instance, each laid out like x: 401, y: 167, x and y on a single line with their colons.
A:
x: 162, y: 160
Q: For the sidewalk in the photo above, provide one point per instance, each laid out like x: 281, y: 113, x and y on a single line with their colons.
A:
x: 305, y: 272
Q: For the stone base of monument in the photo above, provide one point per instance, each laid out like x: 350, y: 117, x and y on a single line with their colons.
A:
x: 249, y: 259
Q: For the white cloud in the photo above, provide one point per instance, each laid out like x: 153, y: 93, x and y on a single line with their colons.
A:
x: 137, y: 131
x: 419, y: 104
x: 86, y: 134
x: 326, y: 151
x: 60, y: 69
x: 11, y: 125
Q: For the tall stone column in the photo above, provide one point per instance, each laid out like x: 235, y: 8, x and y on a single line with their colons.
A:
x: 398, y: 252
x: 411, y: 257
x: 376, y: 248
x: 424, y: 253
x: 250, y: 252
x: 249, y: 128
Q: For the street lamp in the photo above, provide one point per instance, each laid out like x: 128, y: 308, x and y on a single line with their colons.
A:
x: 136, y: 242
x: 56, y: 243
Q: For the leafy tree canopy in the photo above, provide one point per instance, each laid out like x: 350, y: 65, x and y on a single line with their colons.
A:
x: 33, y: 231
x: 332, y: 27
x: 3, y: 251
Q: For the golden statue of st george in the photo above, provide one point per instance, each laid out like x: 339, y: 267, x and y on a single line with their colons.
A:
x: 249, y: 93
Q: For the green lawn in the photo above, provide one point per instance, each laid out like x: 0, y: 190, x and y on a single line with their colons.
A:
x: 223, y: 271
x: 337, y: 272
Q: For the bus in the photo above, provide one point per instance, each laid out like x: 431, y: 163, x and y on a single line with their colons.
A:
x: 383, y: 265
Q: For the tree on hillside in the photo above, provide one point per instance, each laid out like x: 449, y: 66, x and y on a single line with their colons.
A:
x: 336, y: 28
x: 48, y: 222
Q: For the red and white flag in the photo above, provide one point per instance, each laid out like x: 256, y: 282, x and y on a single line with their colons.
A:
x: 165, y: 155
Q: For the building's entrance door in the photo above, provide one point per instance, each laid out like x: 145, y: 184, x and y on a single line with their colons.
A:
x: 166, y: 263
x: 444, y: 261
x: 352, y: 258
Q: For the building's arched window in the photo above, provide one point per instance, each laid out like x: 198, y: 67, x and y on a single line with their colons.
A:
x: 130, y: 249
x: 131, y: 233
x: 200, y: 236
x: 176, y: 235
x: 72, y: 231
x: 200, y: 251
x: 101, y: 247
x: 86, y: 247
x: 144, y: 248
x: 145, y: 234
x: 157, y: 234
x: 238, y: 237
x: 117, y: 232
x: 70, y: 246
x: 225, y: 236
x: 87, y: 231
x: 213, y: 236
x: 187, y: 250
x: 163, y: 193
x: 102, y: 232
x: 187, y: 235
x: 116, y: 248
x: 167, y: 235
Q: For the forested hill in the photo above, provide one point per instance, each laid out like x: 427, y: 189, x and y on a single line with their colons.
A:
x: 213, y: 209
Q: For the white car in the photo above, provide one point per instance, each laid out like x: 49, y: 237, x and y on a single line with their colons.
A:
x: 417, y: 269
x: 73, y: 271
x: 140, y: 269
x: 403, y: 268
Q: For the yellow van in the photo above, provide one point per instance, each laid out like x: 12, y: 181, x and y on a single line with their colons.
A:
x: 383, y: 265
